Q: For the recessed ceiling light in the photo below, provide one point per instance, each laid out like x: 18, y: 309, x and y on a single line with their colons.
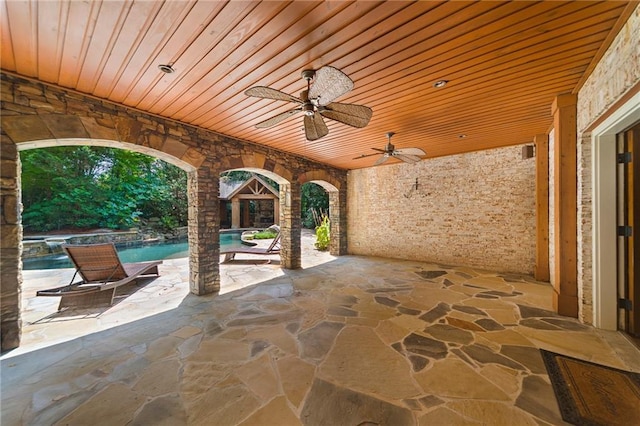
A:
x: 462, y: 136
x: 166, y: 68
x: 440, y: 84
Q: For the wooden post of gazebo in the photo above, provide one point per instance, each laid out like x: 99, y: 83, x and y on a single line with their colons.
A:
x: 235, y: 213
x: 276, y: 211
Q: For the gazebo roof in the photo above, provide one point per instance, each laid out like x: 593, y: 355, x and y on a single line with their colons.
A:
x: 253, y: 185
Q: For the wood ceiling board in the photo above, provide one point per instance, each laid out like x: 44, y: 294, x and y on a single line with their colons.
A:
x: 187, y: 47
x: 78, y: 30
x: 496, y: 92
x: 134, y: 27
x: 7, y: 59
x: 506, y: 61
x: 226, y: 31
x: 229, y: 97
x: 51, y: 17
x: 234, y: 101
x: 190, y: 30
x: 22, y: 22
x: 483, y: 67
x: 279, y: 65
x: 442, y: 49
x: 101, y: 42
x: 150, y: 43
x: 217, y: 122
x: 256, y: 30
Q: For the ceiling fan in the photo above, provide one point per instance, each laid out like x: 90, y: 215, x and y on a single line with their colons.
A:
x: 329, y: 83
x: 408, y: 155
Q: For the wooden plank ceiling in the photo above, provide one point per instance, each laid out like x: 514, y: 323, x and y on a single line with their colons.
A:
x: 505, y: 62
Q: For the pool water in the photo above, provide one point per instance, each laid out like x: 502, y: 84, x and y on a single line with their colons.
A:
x: 156, y: 251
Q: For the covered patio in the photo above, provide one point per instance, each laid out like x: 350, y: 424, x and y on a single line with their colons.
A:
x: 345, y: 340
x: 444, y: 279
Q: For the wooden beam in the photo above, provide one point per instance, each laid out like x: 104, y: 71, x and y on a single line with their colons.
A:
x: 541, y: 142
x: 564, y: 113
x: 255, y: 196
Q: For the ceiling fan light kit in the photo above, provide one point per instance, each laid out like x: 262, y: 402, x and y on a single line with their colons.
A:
x: 316, y: 102
x: 408, y: 155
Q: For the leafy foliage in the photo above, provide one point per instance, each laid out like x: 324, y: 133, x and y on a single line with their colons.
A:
x: 97, y: 187
x: 323, y: 234
x: 267, y: 234
x: 314, y: 197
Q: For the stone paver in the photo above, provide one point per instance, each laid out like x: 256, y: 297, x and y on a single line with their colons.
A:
x: 344, y: 341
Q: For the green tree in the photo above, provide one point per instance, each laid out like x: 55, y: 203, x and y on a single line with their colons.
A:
x: 314, y: 197
x: 59, y: 187
x: 90, y: 187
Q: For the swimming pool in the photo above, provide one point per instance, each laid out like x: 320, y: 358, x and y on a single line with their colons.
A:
x: 142, y: 253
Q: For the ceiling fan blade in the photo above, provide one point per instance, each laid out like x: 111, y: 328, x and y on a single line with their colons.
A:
x: 381, y: 160
x: 378, y: 149
x: 407, y: 158
x: 269, y: 93
x: 329, y: 83
x: 314, y: 127
x: 349, y: 114
x: 365, y: 155
x: 410, y: 151
x: 276, y: 119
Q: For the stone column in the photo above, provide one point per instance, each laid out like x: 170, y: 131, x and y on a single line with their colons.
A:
x: 565, y: 205
x: 338, y: 218
x: 11, y: 246
x: 290, y: 225
x: 204, y: 227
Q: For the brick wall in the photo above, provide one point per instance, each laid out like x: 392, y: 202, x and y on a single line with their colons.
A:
x: 475, y: 209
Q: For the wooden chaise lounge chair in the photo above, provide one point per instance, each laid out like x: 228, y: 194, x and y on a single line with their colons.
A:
x: 102, y: 273
x: 274, y: 248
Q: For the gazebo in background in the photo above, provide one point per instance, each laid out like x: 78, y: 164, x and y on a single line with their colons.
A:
x: 253, y: 203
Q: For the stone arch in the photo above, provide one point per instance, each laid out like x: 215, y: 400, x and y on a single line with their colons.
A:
x: 41, y: 130
x: 48, y: 143
x: 289, y: 198
x: 337, y: 190
x: 21, y: 132
x: 259, y: 162
x: 108, y: 125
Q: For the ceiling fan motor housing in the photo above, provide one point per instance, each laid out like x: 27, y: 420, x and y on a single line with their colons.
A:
x: 307, y: 109
x: 308, y: 74
x: 307, y: 106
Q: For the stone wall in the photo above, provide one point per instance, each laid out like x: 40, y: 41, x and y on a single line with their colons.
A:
x: 475, y: 209
x: 10, y: 245
x: 615, y: 75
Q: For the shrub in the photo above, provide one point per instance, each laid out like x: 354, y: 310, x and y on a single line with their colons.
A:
x: 265, y: 235
x: 323, y: 234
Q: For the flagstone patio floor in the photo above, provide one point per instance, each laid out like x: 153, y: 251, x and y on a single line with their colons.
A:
x: 346, y: 340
